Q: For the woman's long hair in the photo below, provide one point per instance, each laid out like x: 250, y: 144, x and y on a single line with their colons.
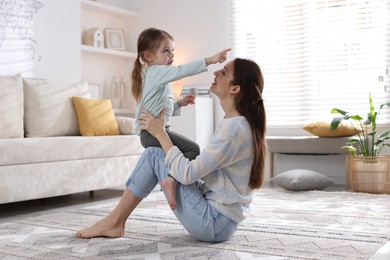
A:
x: 249, y: 103
x: 149, y: 40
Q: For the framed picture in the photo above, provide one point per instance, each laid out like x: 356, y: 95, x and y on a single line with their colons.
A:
x: 114, y: 39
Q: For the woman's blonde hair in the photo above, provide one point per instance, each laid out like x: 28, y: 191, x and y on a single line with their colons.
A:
x: 149, y: 40
x: 249, y: 102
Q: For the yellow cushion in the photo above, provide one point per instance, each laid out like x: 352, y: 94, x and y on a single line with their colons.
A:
x: 322, y: 129
x: 95, y: 116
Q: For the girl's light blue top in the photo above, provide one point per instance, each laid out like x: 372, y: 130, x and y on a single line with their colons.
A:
x: 158, y: 94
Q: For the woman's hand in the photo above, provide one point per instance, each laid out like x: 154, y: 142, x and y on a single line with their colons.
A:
x: 156, y: 127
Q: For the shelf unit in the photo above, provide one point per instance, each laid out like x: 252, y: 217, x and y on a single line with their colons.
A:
x: 108, y: 52
x: 100, y: 65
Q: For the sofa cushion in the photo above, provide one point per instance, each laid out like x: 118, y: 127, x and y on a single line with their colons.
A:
x: 95, y: 117
x: 67, y: 148
x: 11, y: 106
x: 48, y: 107
x: 126, y: 125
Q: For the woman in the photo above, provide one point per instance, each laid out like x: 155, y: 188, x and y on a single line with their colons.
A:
x: 214, y: 190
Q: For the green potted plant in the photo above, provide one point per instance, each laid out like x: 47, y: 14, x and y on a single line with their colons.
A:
x: 369, y: 171
x: 365, y: 143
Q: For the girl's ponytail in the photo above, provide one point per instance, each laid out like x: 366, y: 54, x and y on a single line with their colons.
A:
x: 136, y: 78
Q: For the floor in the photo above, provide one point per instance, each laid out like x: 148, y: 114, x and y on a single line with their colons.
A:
x: 12, y: 211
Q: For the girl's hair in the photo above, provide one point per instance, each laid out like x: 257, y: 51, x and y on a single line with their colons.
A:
x: 149, y: 40
x: 249, y: 103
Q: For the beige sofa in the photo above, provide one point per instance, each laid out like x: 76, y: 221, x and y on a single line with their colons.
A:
x: 42, y: 153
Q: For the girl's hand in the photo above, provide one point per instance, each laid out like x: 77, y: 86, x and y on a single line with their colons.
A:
x: 155, y: 126
x: 219, y: 57
x: 190, y: 99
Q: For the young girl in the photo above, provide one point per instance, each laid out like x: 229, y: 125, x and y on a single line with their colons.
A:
x: 153, y: 93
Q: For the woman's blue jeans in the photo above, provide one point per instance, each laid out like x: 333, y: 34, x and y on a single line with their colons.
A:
x: 194, y: 212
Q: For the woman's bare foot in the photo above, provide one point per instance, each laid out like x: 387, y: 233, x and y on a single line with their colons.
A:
x: 169, y: 185
x: 102, y: 228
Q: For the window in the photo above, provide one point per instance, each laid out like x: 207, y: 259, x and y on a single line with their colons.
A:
x: 316, y: 55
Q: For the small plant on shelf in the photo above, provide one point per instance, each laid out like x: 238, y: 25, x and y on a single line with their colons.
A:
x: 365, y: 143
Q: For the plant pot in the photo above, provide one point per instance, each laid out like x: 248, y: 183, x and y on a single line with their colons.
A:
x: 370, y: 174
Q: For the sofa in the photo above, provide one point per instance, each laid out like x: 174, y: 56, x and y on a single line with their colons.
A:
x: 55, y: 140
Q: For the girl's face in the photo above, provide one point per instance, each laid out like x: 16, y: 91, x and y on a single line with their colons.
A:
x: 222, y: 81
x: 164, y: 53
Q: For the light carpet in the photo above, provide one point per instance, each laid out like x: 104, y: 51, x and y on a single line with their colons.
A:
x: 282, y: 225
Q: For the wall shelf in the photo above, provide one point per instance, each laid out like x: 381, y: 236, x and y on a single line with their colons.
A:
x: 107, y: 9
x: 105, y: 51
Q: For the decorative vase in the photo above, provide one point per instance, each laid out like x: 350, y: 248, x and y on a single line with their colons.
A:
x: 370, y: 174
x: 122, y: 89
x: 115, y: 93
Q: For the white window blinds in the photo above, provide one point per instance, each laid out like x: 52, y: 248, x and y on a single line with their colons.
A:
x: 316, y: 55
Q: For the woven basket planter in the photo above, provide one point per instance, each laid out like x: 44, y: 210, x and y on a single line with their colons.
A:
x: 370, y: 174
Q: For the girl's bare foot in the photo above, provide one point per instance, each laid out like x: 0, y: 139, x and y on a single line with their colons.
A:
x: 169, y: 185
x: 102, y: 228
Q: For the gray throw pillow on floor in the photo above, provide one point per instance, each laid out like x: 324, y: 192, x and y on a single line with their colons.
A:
x: 302, y: 180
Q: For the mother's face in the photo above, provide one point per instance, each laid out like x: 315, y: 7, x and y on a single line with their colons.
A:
x: 222, y: 80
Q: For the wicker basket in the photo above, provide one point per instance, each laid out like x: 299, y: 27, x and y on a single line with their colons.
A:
x: 370, y: 174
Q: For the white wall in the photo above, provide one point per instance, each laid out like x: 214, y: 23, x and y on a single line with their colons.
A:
x: 64, y: 40
x: 57, y: 31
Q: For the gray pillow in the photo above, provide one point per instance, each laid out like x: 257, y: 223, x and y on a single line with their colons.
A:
x: 302, y: 180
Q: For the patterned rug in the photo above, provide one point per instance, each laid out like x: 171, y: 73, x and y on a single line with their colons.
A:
x: 282, y: 225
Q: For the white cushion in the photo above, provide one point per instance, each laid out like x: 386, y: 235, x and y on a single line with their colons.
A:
x: 11, y: 106
x: 126, y: 125
x: 302, y: 180
x: 48, y: 107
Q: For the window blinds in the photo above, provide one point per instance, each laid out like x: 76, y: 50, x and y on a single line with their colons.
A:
x: 316, y: 55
